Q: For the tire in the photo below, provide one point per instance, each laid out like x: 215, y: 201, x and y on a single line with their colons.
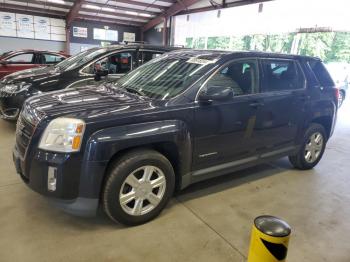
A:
x: 341, y: 98
x: 142, y: 201
x: 304, y: 160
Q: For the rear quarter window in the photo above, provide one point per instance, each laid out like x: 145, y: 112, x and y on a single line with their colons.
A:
x: 321, y: 73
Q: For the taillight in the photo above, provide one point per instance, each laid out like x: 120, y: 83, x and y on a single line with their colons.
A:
x: 336, y: 92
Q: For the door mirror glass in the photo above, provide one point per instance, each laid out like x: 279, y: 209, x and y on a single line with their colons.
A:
x: 216, y: 93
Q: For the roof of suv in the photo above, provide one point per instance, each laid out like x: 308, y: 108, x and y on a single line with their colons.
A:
x: 137, y: 46
x: 237, y: 54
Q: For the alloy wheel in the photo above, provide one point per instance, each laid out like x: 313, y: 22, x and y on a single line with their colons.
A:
x: 314, y: 147
x: 142, y: 190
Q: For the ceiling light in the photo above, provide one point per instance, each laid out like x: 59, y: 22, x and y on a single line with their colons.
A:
x: 108, y: 9
x: 57, y: 1
x: 92, y: 7
x: 146, y: 15
x: 131, y: 13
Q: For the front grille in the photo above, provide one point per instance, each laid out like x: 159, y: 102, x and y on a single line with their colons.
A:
x: 24, y: 132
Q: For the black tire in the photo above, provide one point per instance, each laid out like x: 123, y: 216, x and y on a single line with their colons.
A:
x: 120, y: 171
x: 299, y: 160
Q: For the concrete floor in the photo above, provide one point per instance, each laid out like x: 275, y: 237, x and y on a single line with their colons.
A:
x: 209, y: 221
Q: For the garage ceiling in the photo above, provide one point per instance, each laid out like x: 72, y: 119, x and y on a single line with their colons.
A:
x: 141, y: 13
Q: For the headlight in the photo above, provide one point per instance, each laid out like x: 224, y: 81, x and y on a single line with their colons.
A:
x: 63, y: 135
x: 16, y: 87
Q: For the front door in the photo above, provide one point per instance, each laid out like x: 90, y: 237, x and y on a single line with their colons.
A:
x: 117, y: 64
x: 224, y: 130
x: 18, y: 62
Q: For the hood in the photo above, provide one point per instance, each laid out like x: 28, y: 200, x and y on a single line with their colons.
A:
x: 89, y: 103
x: 31, y: 75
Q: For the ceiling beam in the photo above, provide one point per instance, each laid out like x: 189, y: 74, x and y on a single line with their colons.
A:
x: 73, y: 12
x: 108, y: 20
x: 226, y: 5
x: 43, y: 4
x: 168, y: 1
x: 116, y: 14
x: 172, y: 10
x: 31, y: 11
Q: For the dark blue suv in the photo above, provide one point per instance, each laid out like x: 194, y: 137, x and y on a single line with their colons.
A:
x: 181, y: 118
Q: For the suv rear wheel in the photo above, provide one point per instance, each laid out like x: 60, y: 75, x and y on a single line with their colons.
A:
x: 138, y: 187
x: 312, y: 148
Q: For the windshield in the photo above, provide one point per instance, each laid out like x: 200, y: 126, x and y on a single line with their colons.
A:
x: 166, y: 76
x: 79, y: 59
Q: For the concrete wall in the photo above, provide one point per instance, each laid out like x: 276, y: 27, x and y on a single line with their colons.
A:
x: 12, y: 43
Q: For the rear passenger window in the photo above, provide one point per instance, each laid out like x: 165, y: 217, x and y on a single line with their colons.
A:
x: 241, y: 76
x: 52, y: 59
x: 321, y: 73
x: 281, y: 75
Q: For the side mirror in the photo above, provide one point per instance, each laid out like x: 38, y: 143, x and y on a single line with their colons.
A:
x: 216, y: 93
x: 99, y: 73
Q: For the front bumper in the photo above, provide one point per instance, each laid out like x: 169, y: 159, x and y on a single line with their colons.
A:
x: 70, y: 194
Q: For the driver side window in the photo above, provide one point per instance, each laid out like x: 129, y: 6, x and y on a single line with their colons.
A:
x: 117, y: 63
x: 240, y: 76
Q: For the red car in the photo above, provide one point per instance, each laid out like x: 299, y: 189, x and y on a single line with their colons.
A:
x: 14, y: 61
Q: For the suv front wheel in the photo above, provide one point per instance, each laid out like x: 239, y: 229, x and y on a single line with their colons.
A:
x: 138, y: 187
x: 312, y: 148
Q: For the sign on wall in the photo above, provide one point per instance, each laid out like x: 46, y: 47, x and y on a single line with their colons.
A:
x: 25, y: 26
x: 7, y: 24
x: 129, y: 37
x: 80, y: 32
x: 42, y: 27
x: 35, y: 27
x: 103, y: 34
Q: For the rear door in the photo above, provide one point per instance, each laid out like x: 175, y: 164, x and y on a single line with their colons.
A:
x: 283, y: 93
x: 50, y: 59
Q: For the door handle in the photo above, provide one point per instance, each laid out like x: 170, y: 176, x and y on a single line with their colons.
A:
x: 256, y: 104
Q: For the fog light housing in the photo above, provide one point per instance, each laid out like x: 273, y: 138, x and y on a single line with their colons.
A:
x: 51, y: 178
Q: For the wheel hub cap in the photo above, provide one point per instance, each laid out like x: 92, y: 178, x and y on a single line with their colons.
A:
x: 142, y: 190
x: 313, y: 147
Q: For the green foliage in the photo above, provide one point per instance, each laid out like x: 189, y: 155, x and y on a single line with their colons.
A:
x: 199, y: 43
x: 222, y: 42
x: 329, y: 46
x: 316, y: 44
x: 189, y: 42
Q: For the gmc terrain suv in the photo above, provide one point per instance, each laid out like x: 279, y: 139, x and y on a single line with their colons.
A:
x: 100, y: 63
x: 178, y: 119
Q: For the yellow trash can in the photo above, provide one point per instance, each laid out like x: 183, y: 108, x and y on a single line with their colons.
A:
x: 269, y: 240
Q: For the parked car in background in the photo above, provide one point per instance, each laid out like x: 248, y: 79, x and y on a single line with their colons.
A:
x: 340, y: 73
x: 101, y: 63
x: 186, y: 116
x: 14, y: 61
